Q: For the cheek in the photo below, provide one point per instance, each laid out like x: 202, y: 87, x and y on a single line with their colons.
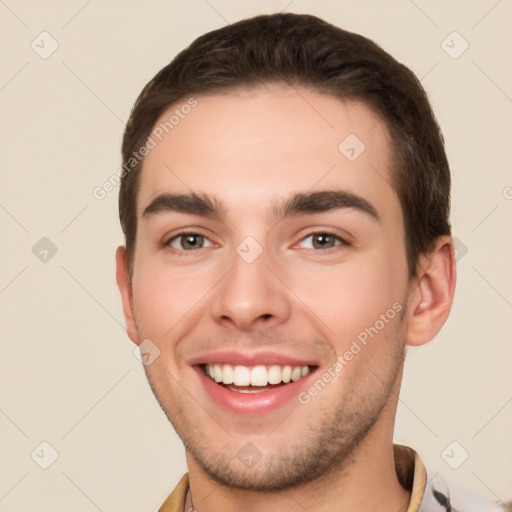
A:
x: 351, y: 297
x: 167, y: 301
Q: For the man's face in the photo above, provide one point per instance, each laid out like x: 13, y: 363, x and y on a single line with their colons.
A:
x: 261, y: 293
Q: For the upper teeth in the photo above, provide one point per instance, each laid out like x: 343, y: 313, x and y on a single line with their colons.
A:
x: 255, y: 375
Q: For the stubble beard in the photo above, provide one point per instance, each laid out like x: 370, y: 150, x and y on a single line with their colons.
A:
x: 327, y: 446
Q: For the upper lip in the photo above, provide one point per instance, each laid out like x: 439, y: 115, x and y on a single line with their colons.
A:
x: 249, y: 359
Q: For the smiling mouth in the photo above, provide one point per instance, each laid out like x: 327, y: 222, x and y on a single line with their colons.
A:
x: 254, y: 379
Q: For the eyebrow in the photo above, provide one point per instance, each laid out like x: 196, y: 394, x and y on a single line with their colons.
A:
x: 298, y: 204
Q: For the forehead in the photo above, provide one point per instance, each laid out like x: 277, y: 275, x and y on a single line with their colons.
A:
x: 248, y: 146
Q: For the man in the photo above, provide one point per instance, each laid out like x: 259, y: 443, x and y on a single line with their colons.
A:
x: 285, y: 200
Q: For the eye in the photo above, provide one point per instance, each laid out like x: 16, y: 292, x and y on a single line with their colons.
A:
x: 188, y: 242
x: 323, y: 240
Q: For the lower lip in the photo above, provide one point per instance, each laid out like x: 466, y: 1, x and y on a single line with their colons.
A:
x: 252, y: 403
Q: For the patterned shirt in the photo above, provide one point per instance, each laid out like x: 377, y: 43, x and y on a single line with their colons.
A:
x: 429, y: 493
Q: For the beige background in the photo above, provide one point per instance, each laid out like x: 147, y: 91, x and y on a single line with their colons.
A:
x: 68, y: 375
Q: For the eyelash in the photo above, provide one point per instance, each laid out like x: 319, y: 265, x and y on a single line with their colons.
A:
x: 182, y: 252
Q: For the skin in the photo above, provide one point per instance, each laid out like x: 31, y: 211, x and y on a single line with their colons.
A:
x: 250, y: 149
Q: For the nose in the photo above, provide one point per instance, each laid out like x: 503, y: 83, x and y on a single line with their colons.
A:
x: 251, y: 295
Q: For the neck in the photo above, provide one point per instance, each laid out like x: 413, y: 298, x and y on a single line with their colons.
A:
x: 367, y: 480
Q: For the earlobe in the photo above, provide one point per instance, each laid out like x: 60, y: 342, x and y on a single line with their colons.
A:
x: 431, y: 300
x: 125, y: 287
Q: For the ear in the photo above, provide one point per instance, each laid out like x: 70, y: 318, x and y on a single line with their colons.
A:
x: 431, y: 299
x: 125, y: 287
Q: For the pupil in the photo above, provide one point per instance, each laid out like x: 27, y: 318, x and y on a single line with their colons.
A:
x: 323, y: 240
x: 191, y: 240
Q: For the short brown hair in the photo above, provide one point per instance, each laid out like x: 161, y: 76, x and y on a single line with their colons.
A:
x: 303, y: 50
